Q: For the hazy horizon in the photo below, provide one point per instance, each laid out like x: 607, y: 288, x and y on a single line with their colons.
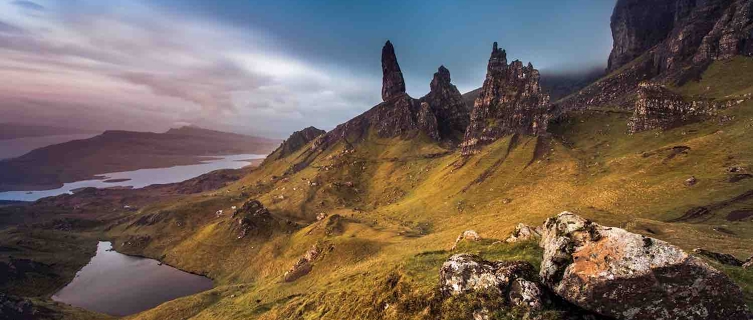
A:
x: 264, y: 69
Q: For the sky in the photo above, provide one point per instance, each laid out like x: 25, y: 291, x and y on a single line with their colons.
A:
x: 263, y: 67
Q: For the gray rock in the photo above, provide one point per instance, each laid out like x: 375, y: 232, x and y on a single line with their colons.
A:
x: 523, y: 232
x: 393, y: 84
x: 624, y: 275
x: 723, y: 258
x: 514, y: 280
x: 469, y: 235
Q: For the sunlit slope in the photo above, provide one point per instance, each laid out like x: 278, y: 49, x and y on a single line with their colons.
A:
x: 403, y: 203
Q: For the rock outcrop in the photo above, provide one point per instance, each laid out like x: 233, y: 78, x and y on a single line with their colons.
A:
x: 447, y: 105
x: 723, y: 258
x: 628, y: 276
x: 305, y: 264
x: 659, y: 108
x: 251, y: 219
x: 513, y: 280
x: 296, y: 141
x: 393, y: 84
x: 510, y: 101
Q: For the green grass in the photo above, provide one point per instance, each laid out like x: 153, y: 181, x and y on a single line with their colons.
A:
x: 723, y: 79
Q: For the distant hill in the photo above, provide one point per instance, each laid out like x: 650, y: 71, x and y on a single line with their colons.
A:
x: 115, y: 151
x: 11, y: 130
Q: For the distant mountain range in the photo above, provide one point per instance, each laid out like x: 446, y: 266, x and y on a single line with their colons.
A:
x: 113, y: 151
x: 10, y: 130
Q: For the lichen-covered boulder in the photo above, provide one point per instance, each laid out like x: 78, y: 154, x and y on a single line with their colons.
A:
x: 514, y: 280
x: 523, y: 232
x: 628, y: 276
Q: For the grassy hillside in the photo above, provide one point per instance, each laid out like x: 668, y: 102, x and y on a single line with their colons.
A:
x: 395, y: 207
x: 403, y: 202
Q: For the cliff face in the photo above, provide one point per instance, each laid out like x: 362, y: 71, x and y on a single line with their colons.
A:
x: 667, y: 42
x: 679, y: 32
x: 510, y: 101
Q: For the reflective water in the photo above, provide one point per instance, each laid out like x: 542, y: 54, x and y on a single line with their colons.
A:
x: 120, y: 285
x: 140, y: 178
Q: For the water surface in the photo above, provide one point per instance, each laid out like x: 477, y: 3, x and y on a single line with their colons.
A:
x: 140, y: 178
x: 121, y: 285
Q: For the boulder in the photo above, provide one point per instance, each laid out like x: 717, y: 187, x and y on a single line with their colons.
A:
x: 624, y: 275
x: 513, y: 280
x: 723, y: 258
x: 691, y: 181
x: 469, y: 235
x: 748, y: 264
x: 251, y: 218
x: 523, y: 232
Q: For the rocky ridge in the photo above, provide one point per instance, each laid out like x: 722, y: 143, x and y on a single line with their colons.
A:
x: 296, y: 141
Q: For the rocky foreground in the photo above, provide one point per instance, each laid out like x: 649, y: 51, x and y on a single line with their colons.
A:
x: 601, y: 271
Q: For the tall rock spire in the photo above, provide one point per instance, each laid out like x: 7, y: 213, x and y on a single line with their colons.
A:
x: 392, y: 78
x: 448, y: 106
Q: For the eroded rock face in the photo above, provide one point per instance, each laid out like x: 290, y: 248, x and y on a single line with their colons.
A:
x: 514, y: 280
x: 628, y: 276
x: 523, y: 232
x: 393, y: 84
x: 447, y: 105
x: 510, y: 101
x: 296, y: 141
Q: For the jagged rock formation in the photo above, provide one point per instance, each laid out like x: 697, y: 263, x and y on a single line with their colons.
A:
x: 296, y: 141
x: 510, y: 101
x: 439, y: 115
x: 513, y: 280
x: 659, y: 108
x: 628, y: 276
x: 447, y: 105
x: 393, y: 84
x: 305, y: 264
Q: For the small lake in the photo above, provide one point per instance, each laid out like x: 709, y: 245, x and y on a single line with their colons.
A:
x: 11, y: 148
x: 141, y: 178
x: 121, y: 285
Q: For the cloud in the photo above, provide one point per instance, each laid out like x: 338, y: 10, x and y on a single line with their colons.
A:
x: 9, y: 29
x: 28, y: 5
x: 140, y: 68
